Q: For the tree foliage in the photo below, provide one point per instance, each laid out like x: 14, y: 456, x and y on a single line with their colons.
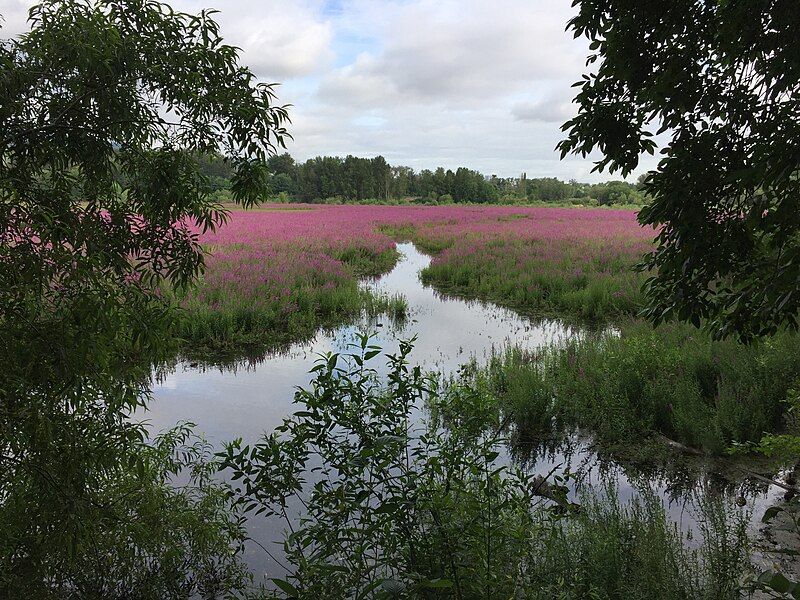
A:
x: 358, y: 179
x: 720, y: 80
x: 104, y: 107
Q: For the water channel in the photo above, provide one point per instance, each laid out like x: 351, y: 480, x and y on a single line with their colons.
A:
x: 247, y: 401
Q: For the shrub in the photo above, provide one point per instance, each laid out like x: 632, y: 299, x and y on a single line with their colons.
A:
x: 393, y: 509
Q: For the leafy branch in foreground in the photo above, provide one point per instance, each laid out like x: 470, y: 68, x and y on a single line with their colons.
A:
x: 103, y: 106
x: 387, y: 507
x: 720, y: 81
x: 379, y: 502
x: 159, y: 526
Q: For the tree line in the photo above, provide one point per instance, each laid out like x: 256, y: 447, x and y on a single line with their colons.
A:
x: 354, y: 179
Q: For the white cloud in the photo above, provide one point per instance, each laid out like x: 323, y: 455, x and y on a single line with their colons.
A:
x: 459, y: 53
x: 279, y: 40
x: 474, y: 83
x: 14, y: 17
x: 478, y: 83
x: 549, y: 109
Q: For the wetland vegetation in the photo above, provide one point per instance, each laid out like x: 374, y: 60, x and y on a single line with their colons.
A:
x: 602, y: 403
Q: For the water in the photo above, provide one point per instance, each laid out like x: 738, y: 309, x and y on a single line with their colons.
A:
x: 226, y: 403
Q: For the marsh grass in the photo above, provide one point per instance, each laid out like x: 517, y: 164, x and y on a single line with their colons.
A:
x: 673, y: 380
x: 247, y: 304
x: 553, y: 267
x: 275, y: 276
x: 614, y: 549
x: 581, y: 279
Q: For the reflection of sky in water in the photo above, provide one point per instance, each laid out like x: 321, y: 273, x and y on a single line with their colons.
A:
x: 226, y: 404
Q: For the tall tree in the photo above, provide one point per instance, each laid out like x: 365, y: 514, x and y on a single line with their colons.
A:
x: 104, y: 106
x: 721, y: 81
x: 282, y: 164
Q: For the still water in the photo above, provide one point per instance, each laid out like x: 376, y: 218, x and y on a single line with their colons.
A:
x: 253, y: 398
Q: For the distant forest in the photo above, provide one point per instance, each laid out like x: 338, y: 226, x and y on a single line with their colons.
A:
x: 353, y: 179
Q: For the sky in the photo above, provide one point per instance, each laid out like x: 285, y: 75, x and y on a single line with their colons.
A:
x: 484, y: 84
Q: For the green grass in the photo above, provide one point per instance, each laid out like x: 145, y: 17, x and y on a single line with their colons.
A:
x: 249, y: 314
x: 672, y: 381
x: 564, y: 279
x: 238, y: 327
x: 536, y: 273
x: 613, y: 550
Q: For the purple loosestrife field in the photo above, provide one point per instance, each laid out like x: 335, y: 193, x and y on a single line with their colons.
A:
x: 277, y: 275
x: 551, y: 261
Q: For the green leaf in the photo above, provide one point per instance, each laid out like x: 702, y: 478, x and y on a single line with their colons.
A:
x: 287, y: 587
x: 771, y: 513
x: 438, y: 583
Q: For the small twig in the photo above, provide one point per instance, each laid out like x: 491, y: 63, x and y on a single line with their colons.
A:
x: 680, y: 447
x: 683, y: 448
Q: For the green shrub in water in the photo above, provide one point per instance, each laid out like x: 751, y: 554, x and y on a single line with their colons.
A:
x: 672, y: 380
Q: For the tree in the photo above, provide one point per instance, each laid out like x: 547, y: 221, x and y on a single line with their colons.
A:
x: 282, y: 164
x: 720, y: 80
x: 548, y: 189
x: 104, y: 107
x: 383, y: 177
x: 615, y: 192
x: 282, y: 184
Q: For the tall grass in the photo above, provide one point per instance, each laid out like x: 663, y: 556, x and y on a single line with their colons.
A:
x: 267, y: 296
x: 632, y: 551
x: 576, y: 263
x: 277, y: 276
x: 587, y: 279
x: 673, y: 381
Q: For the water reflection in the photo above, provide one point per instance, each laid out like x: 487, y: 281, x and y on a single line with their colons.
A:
x: 249, y: 398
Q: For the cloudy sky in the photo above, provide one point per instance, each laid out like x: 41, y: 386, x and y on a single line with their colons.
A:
x: 477, y: 83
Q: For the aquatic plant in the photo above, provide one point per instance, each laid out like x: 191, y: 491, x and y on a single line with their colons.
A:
x: 276, y: 275
x: 673, y: 381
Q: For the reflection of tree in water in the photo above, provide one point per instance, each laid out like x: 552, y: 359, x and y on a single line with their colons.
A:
x: 676, y: 476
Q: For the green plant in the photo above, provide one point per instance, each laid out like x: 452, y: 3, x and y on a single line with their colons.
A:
x: 160, y: 528
x: 672, y: 380
x: 390, y: 507
x: 631, y: 551
x: 100, y: 189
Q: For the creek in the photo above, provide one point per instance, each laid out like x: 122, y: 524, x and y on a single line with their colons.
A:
x: 252, y: 398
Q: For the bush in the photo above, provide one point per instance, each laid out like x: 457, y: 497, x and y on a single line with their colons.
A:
x: 141, y: 536
x: 393, y: 509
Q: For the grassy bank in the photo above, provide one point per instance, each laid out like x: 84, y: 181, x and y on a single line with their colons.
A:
x: 260, y: 298
x: 585, y: 280
x: 556, y: 262
x: 672, y: 381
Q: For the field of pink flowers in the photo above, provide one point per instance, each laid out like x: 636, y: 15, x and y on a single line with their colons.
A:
x: 274, y: 275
